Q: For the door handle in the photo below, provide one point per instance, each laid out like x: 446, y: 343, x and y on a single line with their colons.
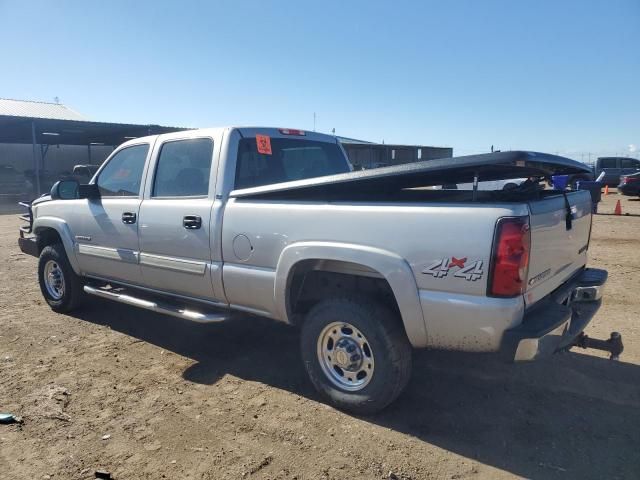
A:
x: 192, y: 222
x: 129, y: 218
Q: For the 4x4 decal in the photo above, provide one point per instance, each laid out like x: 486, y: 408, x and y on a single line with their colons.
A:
x: 440, y: 268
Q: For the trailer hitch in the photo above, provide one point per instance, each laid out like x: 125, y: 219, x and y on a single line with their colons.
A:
x: 613, y: 345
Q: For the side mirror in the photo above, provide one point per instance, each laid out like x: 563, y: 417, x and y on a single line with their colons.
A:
x: 65, y: 190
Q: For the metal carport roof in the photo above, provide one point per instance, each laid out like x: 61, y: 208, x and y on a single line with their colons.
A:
x: 44, y: 124
x: 50, y: 131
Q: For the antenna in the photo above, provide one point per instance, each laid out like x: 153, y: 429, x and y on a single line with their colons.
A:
x: 314, y: 121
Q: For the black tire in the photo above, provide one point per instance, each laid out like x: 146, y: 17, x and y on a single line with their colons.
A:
x: 388, y: 342
x: 73, y: 293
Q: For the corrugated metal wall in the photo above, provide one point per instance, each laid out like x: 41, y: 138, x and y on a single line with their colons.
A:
x: 16, y: 182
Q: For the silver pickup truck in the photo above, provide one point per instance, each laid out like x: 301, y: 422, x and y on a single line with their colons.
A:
x: 369, y: 264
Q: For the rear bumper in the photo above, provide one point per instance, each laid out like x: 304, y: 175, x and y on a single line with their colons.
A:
x: 630, y: 189
x: 555, y: 322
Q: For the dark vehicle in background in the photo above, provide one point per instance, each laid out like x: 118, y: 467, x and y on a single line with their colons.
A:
x: 614, y: 168
x: 630, y: 185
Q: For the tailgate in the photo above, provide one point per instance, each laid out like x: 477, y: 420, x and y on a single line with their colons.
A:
x: 558, y: 247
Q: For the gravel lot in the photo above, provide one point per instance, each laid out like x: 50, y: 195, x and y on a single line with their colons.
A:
x: 147, y: 397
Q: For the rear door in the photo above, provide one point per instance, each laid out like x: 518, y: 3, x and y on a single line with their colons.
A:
x: 106, y: 228
x: 558, y: 247
x: 175, y: 219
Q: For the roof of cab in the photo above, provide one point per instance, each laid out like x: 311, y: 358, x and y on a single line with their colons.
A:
x: 245, y: 131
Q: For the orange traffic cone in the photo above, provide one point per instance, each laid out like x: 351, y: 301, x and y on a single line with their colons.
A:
x: 618, y: 210
x: 606, y: 189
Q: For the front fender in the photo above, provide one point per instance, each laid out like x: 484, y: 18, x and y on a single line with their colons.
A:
x: 60, y: 226
x: 390, y: 265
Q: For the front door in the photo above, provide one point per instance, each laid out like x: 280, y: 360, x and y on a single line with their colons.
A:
x: 175, y: 220
x: 106, y: 229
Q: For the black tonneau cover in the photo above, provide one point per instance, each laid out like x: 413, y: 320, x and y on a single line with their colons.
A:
x: 488, y: 166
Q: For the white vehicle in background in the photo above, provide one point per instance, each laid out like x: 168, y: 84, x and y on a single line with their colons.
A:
x: 369, y: 264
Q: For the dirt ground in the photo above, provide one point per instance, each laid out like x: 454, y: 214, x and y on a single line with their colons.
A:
x: 150, y: 397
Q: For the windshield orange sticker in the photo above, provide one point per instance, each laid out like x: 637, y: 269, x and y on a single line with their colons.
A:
x: 264, y: 144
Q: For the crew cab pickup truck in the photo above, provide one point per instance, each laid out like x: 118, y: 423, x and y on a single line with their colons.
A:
x: 368, y: 264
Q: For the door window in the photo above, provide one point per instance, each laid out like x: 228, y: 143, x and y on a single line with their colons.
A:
x: 608, y: 163
x: 629, y: 163
x: 122, y: 176
x: 183, y: 168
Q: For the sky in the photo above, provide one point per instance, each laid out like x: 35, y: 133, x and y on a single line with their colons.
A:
x: 546, y: 75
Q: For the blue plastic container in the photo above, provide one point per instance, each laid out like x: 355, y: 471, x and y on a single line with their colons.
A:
x: 559, y: 181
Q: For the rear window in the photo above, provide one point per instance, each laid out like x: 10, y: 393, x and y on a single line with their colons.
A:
x: 290, y: 159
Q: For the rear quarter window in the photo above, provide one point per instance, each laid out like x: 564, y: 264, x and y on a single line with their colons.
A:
x: 629, y: 163
x: 290, y: 159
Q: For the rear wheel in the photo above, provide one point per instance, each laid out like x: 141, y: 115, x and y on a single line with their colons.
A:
x: 356, y: 353
x: 60, y: 286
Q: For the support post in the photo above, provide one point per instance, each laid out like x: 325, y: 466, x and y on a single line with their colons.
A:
x: 474, y: 195
x: 36, y: 160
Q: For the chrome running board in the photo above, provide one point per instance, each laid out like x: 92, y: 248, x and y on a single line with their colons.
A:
x: 154, y: 306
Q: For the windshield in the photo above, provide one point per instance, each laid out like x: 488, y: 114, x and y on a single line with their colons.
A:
x: 289, y: 159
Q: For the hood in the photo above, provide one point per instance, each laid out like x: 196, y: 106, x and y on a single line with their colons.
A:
x: 488, y: 166
x: 42, y: 198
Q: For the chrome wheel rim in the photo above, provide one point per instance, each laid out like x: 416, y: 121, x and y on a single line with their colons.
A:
x: 345, y: 356
x: 54, y: 279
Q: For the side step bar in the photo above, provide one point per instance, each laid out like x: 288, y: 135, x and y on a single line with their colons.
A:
x: 158, y: 307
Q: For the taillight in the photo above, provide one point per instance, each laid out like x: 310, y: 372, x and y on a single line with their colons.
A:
x: 510, y: 260
x: 291, y: 131
x: 631, y: 179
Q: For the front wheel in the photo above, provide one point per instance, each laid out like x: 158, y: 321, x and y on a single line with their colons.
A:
x: 356, y: 353
x: 60, y: 286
